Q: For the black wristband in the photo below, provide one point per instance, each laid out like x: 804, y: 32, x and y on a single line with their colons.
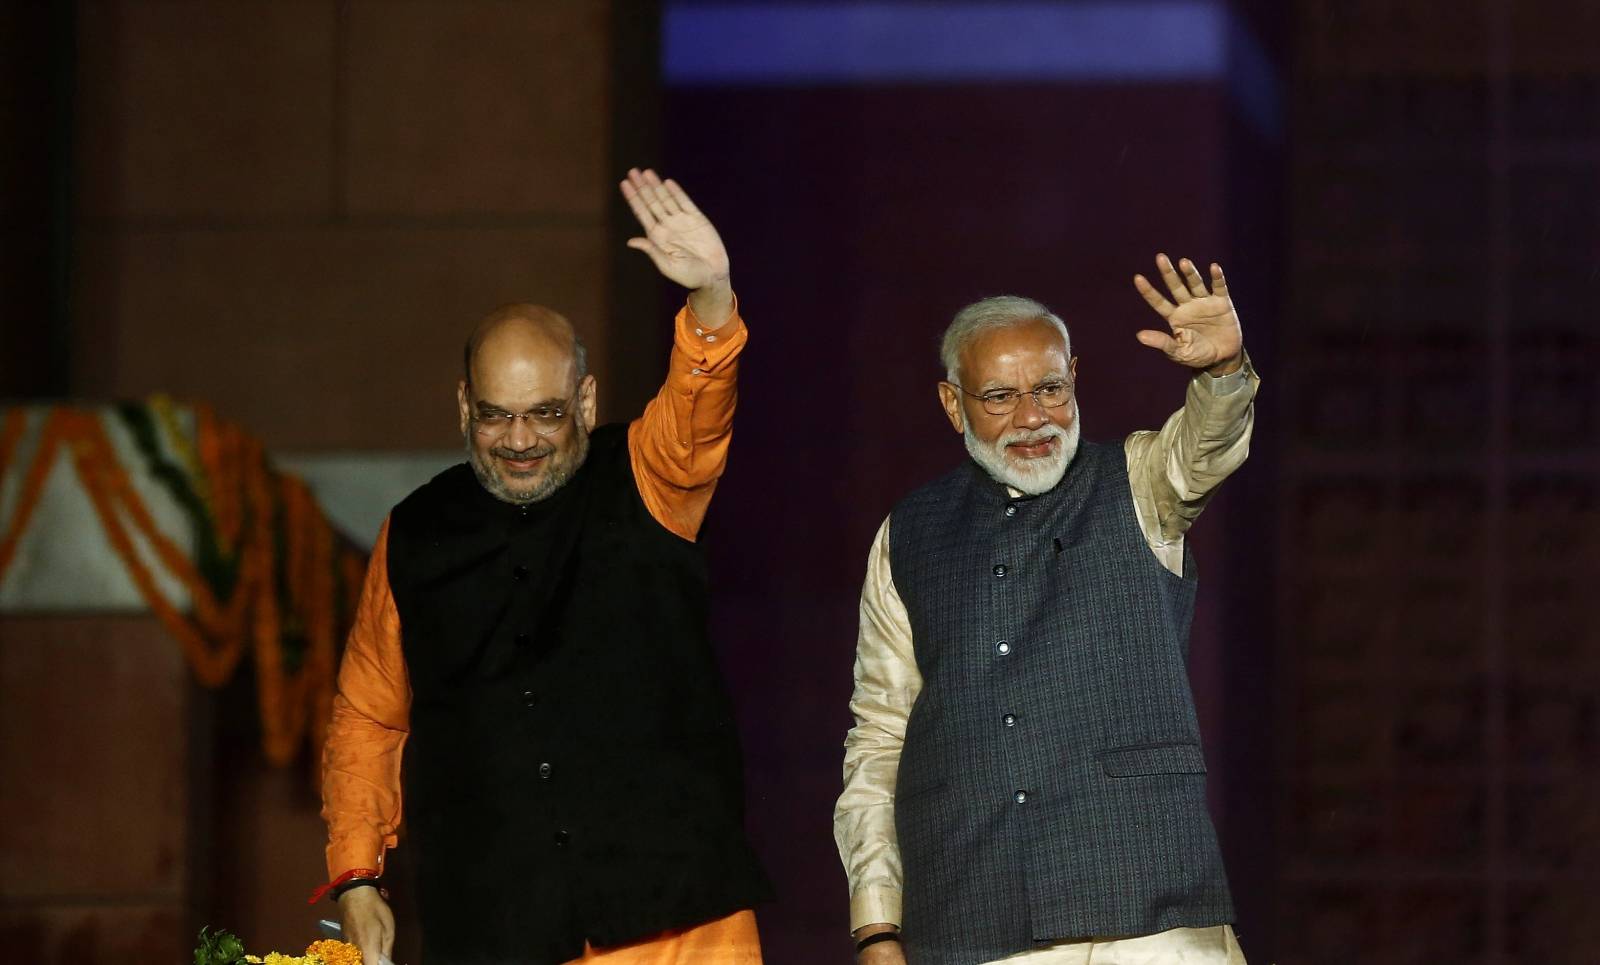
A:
x: 337, y: 891
x: 883, y: 936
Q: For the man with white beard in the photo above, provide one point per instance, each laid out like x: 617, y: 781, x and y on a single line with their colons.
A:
x: 1024, y: 781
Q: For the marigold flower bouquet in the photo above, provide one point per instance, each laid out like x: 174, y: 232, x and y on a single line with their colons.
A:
x: 224, y: 948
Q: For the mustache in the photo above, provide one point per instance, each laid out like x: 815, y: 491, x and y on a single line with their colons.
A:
x: 520, y: 455
x: 1031, y: 437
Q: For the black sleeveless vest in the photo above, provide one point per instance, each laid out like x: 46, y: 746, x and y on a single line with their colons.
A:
x: 1051, y: 785
x: 573, y: 771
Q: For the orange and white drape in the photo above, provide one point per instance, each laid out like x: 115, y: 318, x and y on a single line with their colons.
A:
x: 295, y: 576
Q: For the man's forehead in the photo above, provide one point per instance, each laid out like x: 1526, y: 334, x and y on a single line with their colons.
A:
x: 1030, y: 345
x: 522, y: 352
x: 520, y: 331
x: 523, y: 379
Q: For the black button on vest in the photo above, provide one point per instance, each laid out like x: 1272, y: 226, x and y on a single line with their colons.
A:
x: 640, y: 829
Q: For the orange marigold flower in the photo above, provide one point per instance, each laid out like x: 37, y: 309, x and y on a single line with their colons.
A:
x: 334, y: 952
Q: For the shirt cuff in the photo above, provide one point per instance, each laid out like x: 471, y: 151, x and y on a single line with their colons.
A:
x: 1222, y: 385
x: 356, y: 854
x: 708, y: 351
x: 872, y: 904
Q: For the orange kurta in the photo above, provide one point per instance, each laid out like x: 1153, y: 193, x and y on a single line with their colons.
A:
x: 678, y: 449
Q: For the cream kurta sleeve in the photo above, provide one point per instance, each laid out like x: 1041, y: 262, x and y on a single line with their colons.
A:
x: 886, y: 685
x: 1174, y: 472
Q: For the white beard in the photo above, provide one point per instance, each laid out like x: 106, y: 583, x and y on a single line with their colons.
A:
x: 1031, y: 476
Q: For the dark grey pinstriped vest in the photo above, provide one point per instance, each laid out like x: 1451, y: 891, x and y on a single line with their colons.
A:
x: 1051, y: 785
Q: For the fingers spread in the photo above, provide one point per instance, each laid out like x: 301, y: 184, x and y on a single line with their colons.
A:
x: 1169, y: 275
x: 1191, y: 275
x: 1219, y: 285
x: 1154, y: 298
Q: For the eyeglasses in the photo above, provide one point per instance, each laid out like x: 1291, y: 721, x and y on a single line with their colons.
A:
x: 1047, y: 395
x: 546, y: 420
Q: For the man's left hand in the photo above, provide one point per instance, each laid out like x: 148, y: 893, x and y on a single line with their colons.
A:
x: 1205, y: 328
x: 681, y: 241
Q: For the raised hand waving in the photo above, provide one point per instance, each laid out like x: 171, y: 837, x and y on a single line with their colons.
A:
x: 1205, y: 327
x: 678, y: 238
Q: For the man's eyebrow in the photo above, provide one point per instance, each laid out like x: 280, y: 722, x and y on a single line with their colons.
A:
x: 485, y: 406
x: 997, y: 386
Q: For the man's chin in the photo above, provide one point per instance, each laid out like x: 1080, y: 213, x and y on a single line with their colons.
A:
x: 521, y: 487
x: 1035, y: 476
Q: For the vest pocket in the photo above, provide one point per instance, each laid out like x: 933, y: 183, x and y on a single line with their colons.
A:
x: 1146, y: 760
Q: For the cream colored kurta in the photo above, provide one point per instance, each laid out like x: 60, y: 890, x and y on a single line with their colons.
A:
x: 1171, y: 473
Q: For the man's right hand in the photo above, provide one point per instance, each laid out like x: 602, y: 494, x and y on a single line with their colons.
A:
x: 879, y: 953
x: 368, y: 924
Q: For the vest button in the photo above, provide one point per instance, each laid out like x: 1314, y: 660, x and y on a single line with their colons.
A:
x: 528, y: 699
x: 561, y: 838
x: 1011, y: 510
x: 1002, y: 648
x: 544, y: 771
x: 1021, y: 797
x: 519, y: 572
x: 1010, y: 720
x: 1000, y: 569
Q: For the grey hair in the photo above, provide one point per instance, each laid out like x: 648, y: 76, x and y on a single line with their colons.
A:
x: 1000, y: 311
x: 580, y: 357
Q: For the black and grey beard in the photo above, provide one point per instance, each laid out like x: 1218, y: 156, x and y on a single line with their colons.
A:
x: 557, y: 474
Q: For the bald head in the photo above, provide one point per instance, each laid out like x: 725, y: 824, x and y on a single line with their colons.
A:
x: 526, y: 402
x: 519, y: 335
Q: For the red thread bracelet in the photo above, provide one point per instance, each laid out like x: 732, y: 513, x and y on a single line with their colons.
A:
x: 351, y: 875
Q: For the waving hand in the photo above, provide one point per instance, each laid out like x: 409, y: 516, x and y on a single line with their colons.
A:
x: 677, y: 237
x: 1205, y: 328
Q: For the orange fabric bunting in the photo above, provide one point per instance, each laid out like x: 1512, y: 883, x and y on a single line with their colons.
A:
x: 295, y: 578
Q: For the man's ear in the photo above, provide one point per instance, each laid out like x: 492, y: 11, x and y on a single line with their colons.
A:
x: 587, y: 404
x: 462, y: 406
x: 950, y: 398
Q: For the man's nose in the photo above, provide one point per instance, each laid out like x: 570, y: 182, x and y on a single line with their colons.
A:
x: 520, y: 435
x: 1030, y: 414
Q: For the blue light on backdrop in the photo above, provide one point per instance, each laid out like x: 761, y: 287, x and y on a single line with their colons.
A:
x: 728, y: 44
x: 784, y: 43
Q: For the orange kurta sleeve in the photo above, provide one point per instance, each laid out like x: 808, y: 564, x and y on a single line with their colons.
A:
x: 679, y: 446
x: 371, y: 718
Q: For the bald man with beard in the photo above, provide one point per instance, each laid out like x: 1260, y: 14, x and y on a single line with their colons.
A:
x: 530, y: 671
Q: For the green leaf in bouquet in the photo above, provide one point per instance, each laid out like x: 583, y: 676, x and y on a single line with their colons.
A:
x: 219, y: 948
